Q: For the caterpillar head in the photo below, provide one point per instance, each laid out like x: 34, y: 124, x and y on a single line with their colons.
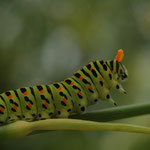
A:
x: 122, y: 71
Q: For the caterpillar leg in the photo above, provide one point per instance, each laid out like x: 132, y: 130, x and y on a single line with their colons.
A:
x: 117, y: 86
x: 111, y: 101
x: 120, y: 89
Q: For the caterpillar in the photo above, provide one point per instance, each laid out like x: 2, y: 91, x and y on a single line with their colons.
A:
x: 60, y: 99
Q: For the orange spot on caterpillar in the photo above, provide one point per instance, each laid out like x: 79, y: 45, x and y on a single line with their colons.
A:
x: 100, y: 79
x: 72, y: 83
x: 120, y: 55
x: 46, y: 104
x: 90, y: 87
x: 91, y: 68
x: 60, y: 88
x: 25, y: 93
x: 81, y: 77
x: 65, y: 100
x: 65, y: 80
x: 110, y: 72
x: 15, y: 107
x: 42, y: 91
x: 2, y: 109
x: 30, y: 106
x: 79, y: 92
x: 75, y: 73
x: 104, y: 63
x: 10, y: 96
x: 54, y: 83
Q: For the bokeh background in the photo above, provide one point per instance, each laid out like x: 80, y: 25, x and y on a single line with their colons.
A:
x: 42, y: 41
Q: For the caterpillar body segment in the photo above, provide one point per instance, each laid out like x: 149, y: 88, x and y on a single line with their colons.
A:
x: 13, y: 106
x: 63, y: 100
x: 27, y: 102
x: 78, y: 95
x: 98, y: 81
x: 84, y: 79
x: 60, y: 99
x: 3, y: 111
x: 44, y: 102
x: 107, y: 73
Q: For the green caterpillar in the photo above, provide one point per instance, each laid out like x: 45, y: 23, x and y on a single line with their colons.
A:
x: 73, y: 95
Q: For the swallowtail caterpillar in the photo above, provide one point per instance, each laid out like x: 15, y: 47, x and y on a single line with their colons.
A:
x: 73, y: 95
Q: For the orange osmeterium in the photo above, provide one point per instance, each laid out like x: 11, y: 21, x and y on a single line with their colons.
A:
x: 120, y: 55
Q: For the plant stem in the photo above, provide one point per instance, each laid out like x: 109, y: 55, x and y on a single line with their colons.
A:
x: 115, y: 113
x: 22, y: 128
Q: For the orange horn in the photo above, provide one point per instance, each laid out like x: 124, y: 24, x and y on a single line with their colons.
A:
x: 120, y: 55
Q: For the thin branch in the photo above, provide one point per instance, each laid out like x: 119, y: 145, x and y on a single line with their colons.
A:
x: 115, y: 113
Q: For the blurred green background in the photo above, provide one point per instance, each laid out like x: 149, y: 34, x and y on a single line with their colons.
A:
x: 42, y: 41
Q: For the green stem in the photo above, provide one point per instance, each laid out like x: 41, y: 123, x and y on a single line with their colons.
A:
x: 80, y: 125
x: 22, y: 128
x: 115, y: 113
